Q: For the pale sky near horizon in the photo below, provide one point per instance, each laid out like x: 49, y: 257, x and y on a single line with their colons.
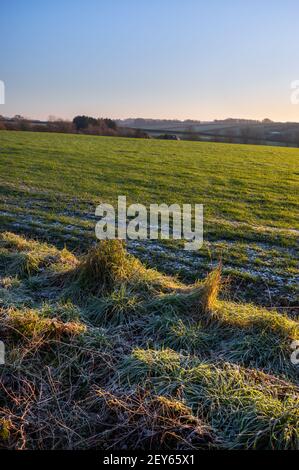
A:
x: 150, y: 58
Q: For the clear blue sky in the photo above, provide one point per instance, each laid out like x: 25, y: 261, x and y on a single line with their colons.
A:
x: 150, y: 58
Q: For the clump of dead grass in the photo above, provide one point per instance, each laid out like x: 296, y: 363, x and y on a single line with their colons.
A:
x: 209, y: 290
x: 29, y: 324
x: 143, y: 421
x: 24, y: 258
x: 105, y: 266
x: 108, y: 267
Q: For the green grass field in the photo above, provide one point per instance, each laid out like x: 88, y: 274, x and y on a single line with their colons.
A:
x: 150, y: 346
x: 51, y: 183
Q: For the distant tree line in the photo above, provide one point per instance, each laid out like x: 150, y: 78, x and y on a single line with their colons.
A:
x: 92, y: 125
x: 79, y: 125
x: 239, y: 132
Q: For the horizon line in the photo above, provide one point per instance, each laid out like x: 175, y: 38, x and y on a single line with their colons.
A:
x: 53, y: 118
